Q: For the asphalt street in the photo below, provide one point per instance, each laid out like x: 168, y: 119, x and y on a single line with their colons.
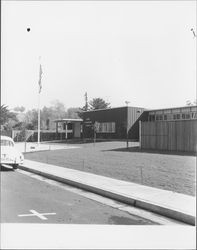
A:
x: 29, y: 200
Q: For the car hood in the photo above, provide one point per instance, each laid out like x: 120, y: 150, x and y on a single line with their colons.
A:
x: 10, y: 150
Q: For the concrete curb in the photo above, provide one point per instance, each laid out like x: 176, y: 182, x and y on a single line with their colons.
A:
x: 144, y: 204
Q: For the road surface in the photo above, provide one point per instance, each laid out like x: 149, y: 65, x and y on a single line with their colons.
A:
x: 27, y: 198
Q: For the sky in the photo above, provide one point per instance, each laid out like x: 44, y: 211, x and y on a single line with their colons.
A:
x: 143, y: 52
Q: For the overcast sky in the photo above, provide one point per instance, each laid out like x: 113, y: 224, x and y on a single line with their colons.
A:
x: 142, y: 52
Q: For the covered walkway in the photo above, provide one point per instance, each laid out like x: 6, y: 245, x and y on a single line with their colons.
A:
x: 71, y: 127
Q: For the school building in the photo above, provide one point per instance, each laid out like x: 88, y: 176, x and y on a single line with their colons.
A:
x: 167, y: 129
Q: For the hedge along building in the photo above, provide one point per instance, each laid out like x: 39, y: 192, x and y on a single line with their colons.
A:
x: 113, y: 123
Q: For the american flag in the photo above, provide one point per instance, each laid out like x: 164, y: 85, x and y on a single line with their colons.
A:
x: 40, y: 79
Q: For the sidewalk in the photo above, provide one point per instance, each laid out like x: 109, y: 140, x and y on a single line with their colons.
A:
x: 33, y: 146
x: 167, y: 203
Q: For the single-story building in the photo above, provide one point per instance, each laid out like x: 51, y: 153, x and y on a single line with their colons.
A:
x: 123, y: 122
x: 172, y: 129
x: 113, y: 123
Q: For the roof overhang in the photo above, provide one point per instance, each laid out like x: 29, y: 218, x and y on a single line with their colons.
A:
x: 68, y: 120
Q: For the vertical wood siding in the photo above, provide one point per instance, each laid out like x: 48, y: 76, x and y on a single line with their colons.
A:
x: 170, y: 135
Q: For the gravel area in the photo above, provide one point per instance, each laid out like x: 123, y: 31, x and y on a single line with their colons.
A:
x: 173, y: 172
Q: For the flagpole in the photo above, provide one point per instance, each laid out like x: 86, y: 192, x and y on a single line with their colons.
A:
x: 39, y: 92
x: 39, y: 118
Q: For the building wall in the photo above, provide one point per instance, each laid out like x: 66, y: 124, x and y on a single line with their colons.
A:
x: 117, y: 116
x: 171, y: 129
x: 177, y: 135
x: 122, y: 119
x: 182, y: 113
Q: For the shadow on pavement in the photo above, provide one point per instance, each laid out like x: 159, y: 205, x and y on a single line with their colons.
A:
x: 82, y: 141
x: 120, y: 220
x: 151, y: 151
x: 6, y: 169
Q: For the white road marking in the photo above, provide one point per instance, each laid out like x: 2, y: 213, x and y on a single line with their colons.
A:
x: 107, y: 201
x: 35, y: 213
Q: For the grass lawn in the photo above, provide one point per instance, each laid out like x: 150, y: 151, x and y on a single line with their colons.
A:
x: 160, y: 170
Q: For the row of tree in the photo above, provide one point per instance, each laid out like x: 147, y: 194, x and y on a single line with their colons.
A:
x: 20, y: 119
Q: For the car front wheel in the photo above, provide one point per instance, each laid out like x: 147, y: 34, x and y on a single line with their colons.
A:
x: 15, y: 166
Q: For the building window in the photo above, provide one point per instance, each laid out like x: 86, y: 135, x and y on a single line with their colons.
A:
x: 174, y: 117
x: 167, y: 111
x: 158, y: 112
x: 70, y: 126
x: 176, y: 110
x: 187, y: 116
x: 178, y: 116
x: 106, y: 127
x: 194, y: 109
x: 151, y: 118
x: 169, y: 116
x: 159, y: 117
x: 186, y: 109
x: 194, y: 115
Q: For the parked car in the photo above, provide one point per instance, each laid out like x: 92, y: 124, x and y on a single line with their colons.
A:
x: 9, y: 154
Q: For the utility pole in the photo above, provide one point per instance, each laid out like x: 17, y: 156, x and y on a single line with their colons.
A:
x: 86, y: 101
x: 127, y: 125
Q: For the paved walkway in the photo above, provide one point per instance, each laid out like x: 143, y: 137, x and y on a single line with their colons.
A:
x: 33, y: 146
x: 174, y: 205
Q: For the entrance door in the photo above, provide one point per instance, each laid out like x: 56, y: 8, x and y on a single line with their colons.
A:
x: 77, y: 130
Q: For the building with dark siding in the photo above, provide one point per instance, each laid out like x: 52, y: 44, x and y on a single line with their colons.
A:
x: 123, y: 122
x: 170, y: 114
x: 119, y: 123
x: 113, y: 123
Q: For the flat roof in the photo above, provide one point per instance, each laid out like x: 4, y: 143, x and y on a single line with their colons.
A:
x: 68, y: 120
x: 182, y: 107
x: 93, y: 110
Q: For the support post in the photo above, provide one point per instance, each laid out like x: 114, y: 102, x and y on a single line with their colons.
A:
x: 66, y: 131
x: 25, y: 140
x: 127, y: 130
x: 140, y: 133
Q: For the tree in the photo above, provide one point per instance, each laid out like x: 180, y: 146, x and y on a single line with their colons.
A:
x: 73, y: 113
x: 47, y: 115
x: 190, y: 103
x: 58, y: 109
x: 31, y: 118
x: 7, y: 118
x: 98, y: 103
x: 4, y: 114
x: 84, y: 108
x: 19, y: 109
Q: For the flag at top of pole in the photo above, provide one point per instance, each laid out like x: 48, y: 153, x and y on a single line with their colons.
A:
x: 40, y: 79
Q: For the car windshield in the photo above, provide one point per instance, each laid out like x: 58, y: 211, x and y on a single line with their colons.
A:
x: 7, y: 143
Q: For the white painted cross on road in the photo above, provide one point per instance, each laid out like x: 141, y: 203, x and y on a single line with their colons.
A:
x: 34, y: 213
